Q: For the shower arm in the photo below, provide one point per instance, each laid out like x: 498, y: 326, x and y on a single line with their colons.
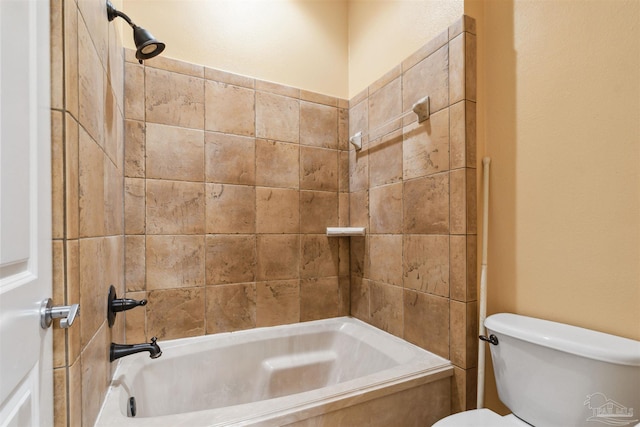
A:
x: 113, y: 13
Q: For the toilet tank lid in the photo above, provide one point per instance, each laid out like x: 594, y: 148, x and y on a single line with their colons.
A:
x: 569, y: 339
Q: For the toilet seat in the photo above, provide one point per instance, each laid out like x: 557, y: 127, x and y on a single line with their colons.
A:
x: 480, y: 418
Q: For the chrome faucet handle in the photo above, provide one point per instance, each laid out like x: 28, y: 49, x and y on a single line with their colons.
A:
x: 66, y: 313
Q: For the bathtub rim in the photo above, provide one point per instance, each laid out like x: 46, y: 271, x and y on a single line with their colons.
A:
x: 311, y: 403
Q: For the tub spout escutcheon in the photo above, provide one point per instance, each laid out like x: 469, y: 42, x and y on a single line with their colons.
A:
x: 120, y: 350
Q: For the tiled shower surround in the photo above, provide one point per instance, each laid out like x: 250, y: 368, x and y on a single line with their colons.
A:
x: 413, y: 186
x: 229, y: 183
x: 87, y: 126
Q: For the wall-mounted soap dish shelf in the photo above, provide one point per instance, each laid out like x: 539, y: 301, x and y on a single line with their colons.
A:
x: 346, y: 231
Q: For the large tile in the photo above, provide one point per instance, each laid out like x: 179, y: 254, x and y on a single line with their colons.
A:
x: 463, y: 334
x: 175, y: 262
x: 318, y: 210
x: 343, y: 171
x: 277, y: 117
x: 277, y: 210
x: 75, y: 393
x: 134, y: 263
x: 72, y: 177
x: 386, y: 307
x: 318, y: 125
x: 277, y: 89
x: 318, y: 98
x: 95, y: 374
x: 426, y: 205
x: 385, y: 159
x: 343, y: 129
x: 177, y: 313
x: 91, y: 188
x: 91, y: 86
x: 462, y: 67
x: 92, y: 13
x: 463, y: 389
x: 174, y: 99
x: 359, y: 119
x: 426, y: 263
x: 229, y: 109
x: 359, y: 256
x: 113, y: 198
x: 175, y: 207
x: 57, y: 175
x: 134, y: 91
x: 134, y: 208
x: 278, y: 256
x: 70, y: 34
x: 58, y: 297
x: 358, y: 170
x: 174, y: 153
x: 426, y: 321
x: 277, y: 164
x: 386, y: 258
x: 343, y: 209
x: 60, y: 397
x: 463, y: 135
x: 230, y: 259
x: 413, y: 407
x: 112, y: 126
x: 318, y: 169
x: 319, y: 256
x: 319, y: 298
x: 177, y: 66
x: 134, y: 148
x: 388, y: 77
x: 429, y: 77
x: 231, y: 307
x: 359, y: 295
x: 230, y: 159
x: 463, y: 201
x: 385, y: 105
x: 229, y: 78
x: 277, y: 302
x: 426, y: 146
x: 386, y: 209
x: 230, y: 208
x: 74, y: 341
x: 359, y: 209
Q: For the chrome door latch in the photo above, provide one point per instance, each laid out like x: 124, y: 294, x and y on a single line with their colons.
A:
x: 66, y: 313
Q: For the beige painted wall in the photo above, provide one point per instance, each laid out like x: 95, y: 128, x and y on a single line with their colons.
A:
x: 300, y: 43
x: 382, y: 33
x: 559, y: 114
x: 335, y: 47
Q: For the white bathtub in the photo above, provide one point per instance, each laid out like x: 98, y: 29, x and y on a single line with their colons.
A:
x: 308, y: 373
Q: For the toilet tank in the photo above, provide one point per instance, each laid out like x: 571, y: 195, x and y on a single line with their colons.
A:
x: 552, y: 374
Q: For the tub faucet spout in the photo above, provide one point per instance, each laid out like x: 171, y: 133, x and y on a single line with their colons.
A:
x: 120, y: 350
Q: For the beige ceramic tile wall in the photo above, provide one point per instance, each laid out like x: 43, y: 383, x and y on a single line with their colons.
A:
x: 413, y: 186
x: 230, y: 183
x: 87, y: 72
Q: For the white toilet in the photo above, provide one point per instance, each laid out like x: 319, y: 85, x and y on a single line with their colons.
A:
x: 555, y: 375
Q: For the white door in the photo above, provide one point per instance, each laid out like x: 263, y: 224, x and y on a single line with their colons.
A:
x: 26, y: 376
